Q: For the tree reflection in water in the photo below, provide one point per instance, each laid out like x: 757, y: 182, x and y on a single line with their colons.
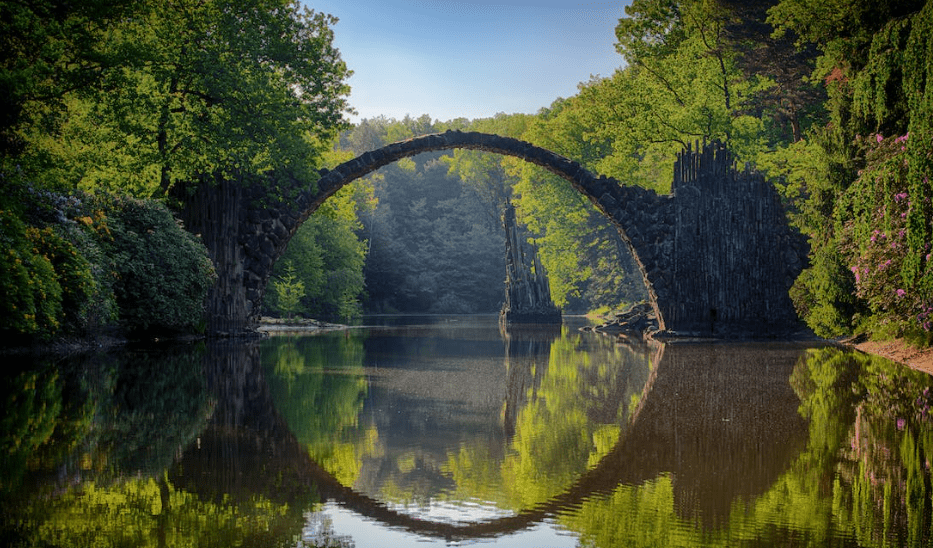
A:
x: 688, y: 444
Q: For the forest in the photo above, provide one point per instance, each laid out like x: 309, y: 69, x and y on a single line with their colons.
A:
x: 115, y: 112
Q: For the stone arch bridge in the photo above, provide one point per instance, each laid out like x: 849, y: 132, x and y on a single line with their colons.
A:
x: 716, y: 254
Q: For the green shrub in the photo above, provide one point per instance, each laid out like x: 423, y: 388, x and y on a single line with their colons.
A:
x: 31, y: 302
x: 98, y: 308
x: 163, y: 272
x: 72, y: 272
x: 824, y: 294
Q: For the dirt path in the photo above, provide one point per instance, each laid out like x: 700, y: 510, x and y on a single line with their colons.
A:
x: 900, y: 352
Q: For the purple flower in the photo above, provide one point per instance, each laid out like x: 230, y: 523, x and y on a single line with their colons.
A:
x: 901, y: 423
x: 900, y: 292
x: 879, y: 138
x: 900, y: 196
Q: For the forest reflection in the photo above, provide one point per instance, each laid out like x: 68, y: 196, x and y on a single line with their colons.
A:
x: 457, y: 432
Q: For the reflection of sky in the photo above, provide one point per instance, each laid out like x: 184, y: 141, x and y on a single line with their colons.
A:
x: 448, y: 511
x: 436, y: 397
x: 367, y: 533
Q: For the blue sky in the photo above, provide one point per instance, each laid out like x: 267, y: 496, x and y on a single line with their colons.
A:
x: 470, y: 58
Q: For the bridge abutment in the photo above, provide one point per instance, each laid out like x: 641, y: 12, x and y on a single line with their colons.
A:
x: 734, y: 257
x: 717, y: 255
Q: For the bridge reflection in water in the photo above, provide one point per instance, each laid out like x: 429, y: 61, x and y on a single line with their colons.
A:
x: 388, y: 422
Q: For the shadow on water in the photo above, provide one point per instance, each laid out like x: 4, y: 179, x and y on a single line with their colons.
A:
x: 677, y: 444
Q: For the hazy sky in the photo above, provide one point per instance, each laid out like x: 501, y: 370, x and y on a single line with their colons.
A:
x: 470, y: 58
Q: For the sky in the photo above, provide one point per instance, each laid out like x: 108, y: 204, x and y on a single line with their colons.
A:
x: 470, y: 58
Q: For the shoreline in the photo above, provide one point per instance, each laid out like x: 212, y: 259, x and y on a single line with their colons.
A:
x: 271, y: 326
x: 898, y: 351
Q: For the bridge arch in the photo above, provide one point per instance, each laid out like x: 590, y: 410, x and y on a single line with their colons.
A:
x: 716, y: 254
x: 605, y: 193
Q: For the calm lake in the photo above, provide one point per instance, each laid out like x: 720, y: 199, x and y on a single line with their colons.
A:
x: 446, y: 431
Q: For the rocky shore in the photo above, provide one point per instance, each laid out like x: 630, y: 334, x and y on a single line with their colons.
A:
x: 640, y: 322
x: 296, y: 325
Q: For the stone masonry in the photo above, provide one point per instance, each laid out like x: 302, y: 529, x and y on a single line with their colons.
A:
x: 716, y: 254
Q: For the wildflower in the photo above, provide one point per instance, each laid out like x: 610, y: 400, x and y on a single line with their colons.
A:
x: 900, y: 292
x: 879, y: 138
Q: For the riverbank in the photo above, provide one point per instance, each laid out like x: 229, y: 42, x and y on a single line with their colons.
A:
x: 899, y: 351
x: 296, y: 325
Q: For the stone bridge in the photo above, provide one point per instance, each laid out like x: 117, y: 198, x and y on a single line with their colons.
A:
x: 716, y: 254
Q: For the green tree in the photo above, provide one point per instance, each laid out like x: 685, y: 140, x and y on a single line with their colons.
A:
x: 433, y: 245
x: 48, y: 51
x: 875, y: 65
x: 328, y: 256
x: 288, y: 292
x: 208, y: 88
x: 190, y: 102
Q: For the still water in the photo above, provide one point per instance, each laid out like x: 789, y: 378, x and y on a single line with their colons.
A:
x: 446, y: 431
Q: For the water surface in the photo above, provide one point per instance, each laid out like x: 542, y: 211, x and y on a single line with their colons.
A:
x: 439, y: 431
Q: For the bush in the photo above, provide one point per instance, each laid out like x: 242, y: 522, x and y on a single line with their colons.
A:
x: 890, y: 272
x: 72, y: 272
x: 824, y: 294
x: 69, y: 262
x: 163, y: 272
x: 31, y: 301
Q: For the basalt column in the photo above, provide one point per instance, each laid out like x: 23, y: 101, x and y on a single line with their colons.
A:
x: 527, y: 294
x: 734, y: 256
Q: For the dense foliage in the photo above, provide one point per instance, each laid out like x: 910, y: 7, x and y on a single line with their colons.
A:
x: 162, y: 272
x: 78, y: 264
x: 321, y: 273
x: 866, y: 195
x: 109, y: 104
x: 151, y: 99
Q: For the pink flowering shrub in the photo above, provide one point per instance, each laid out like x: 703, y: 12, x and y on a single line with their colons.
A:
x: 877, y: 239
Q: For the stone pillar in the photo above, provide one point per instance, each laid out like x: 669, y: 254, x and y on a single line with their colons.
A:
x: 527, y: 293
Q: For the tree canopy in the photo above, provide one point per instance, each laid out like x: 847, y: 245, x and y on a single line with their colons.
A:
x: 150, y: 99
x: 156, y: 99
